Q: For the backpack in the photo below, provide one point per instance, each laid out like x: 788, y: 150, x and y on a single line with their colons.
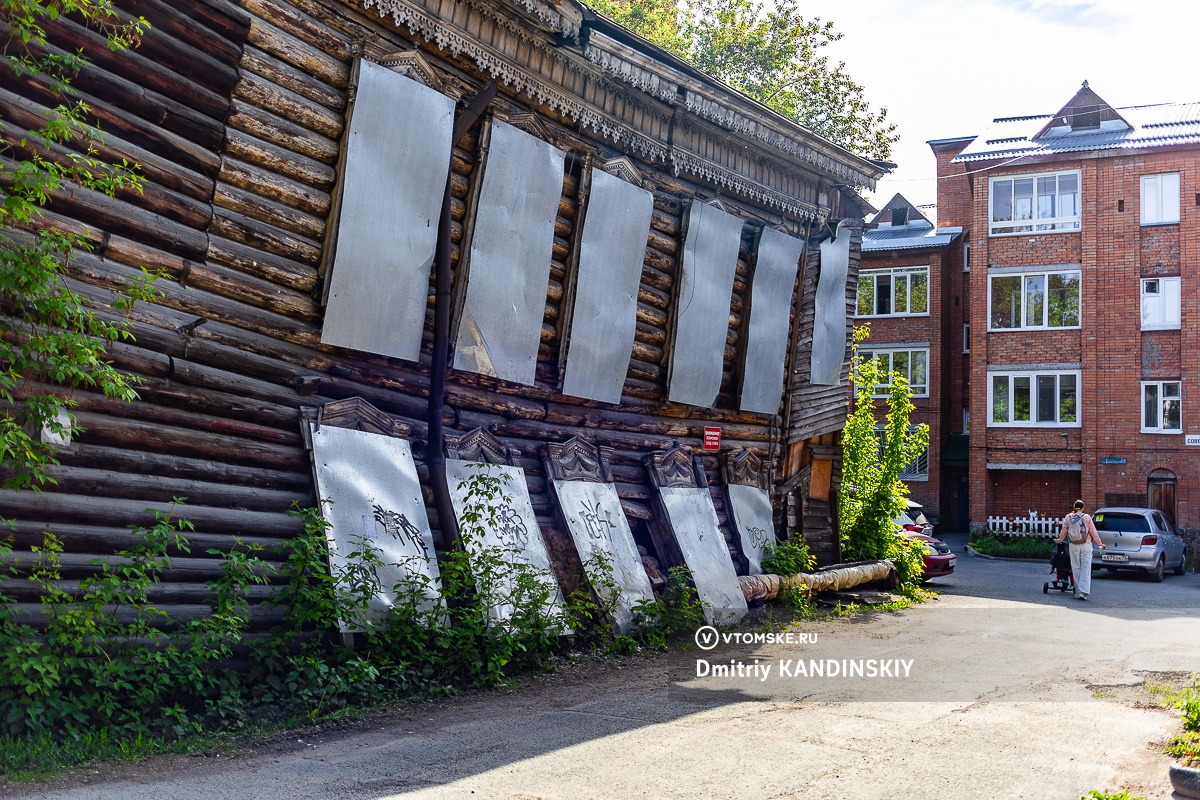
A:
x: 1077, y: 527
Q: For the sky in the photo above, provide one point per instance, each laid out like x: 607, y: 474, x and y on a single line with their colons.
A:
x: 946, y: 68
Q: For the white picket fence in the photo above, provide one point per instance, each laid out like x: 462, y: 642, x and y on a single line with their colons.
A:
x: 1033, y: 525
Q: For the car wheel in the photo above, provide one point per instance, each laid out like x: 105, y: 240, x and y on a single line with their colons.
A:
x: 1156, y: 574
x: 1045, y: 588
x: 1178, y: 570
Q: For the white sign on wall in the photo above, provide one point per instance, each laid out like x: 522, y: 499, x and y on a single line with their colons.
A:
x: 1192, y: 440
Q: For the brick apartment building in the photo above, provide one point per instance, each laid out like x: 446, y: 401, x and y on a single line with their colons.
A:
x: 1079, y: 263
x: 904, y: 291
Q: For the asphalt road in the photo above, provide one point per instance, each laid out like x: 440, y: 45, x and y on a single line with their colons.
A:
x: 1009, y: 694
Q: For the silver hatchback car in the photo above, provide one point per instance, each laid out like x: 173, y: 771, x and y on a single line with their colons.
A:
x: 1137, y: 538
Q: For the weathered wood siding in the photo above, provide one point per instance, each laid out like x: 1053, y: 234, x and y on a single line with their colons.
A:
x: 235, y: 113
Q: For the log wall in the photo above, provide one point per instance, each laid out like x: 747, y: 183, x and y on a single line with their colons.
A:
x: 235, y: 112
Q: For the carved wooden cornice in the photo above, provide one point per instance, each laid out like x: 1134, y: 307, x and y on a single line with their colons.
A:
x: 577, y: 460
x: 674, y: 468
x: 625, y: 95
x: 356, y: 414
x: 482, y: 446
x: 744, y: 467
x: 692, y: 165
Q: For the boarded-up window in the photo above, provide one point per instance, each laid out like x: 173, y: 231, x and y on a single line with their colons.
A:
x: 770, y: 309
x: 604, y: 317
x: 397, y: 160
x: 500, y: 326
x: 702, y: 309
x: 829, y: 323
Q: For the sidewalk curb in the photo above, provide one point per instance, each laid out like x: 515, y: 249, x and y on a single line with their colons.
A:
x: 973, y: 552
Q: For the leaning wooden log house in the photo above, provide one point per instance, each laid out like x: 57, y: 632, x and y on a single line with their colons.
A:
x: 633, y: 253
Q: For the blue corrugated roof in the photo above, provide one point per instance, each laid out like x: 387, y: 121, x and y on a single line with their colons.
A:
x: 918, y: 233
x: 1150, y: 126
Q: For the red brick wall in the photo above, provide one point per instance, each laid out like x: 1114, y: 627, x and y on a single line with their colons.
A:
x: 1017, y: 492
x: 1115, y: 250
x: 887, y: 331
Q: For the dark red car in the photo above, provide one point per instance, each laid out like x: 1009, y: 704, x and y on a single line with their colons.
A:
x: 939, y: 561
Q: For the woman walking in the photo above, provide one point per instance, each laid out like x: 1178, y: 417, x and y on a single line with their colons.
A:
x: 1079, y: 531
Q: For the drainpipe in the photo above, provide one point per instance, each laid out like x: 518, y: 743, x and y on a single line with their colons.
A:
x: 436, y: 455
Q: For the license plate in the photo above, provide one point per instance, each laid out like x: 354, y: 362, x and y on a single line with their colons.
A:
x: 952, y: 562
x: 1114, y: 557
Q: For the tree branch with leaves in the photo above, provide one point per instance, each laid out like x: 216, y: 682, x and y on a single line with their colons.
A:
x: 872, y: 492
x: 51, y: 341
x: 774, y: 56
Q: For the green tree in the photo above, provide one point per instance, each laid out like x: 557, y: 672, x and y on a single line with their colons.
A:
x: 872, y: 492
x: 775, y: 56
x: 50, y: 341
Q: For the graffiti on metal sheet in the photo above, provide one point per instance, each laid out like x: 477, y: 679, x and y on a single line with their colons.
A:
x: 398, y: 527
x: 512, y: 530
x: 597, y: 521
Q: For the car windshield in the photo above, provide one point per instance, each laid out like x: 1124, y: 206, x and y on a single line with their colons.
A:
x: 904, y: 519
x: 1127, y: 523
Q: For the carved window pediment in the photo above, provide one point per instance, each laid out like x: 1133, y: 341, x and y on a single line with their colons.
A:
x: 412, y: 64
x: 674, y: 468
x: 481, y: 446
x: 577, y: 460
x: 744, y: 467
x: 356, y: 414
x: 624, y: 169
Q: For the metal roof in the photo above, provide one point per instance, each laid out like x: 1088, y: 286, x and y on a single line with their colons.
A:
x: 917, y: 233
x: 1149, y: 126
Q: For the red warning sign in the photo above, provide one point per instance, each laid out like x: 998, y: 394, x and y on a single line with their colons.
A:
x: 712, y: 438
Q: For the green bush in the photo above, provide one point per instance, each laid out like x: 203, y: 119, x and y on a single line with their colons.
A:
x: 789, y: 557
x: 1013, y: 546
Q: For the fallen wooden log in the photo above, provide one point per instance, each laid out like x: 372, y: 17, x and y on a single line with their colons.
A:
x: 832, y: 578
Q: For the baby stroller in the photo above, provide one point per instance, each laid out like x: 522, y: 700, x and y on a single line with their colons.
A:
x: 1060, y: 565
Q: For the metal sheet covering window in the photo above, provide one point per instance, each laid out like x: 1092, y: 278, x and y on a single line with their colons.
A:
x: 755, y: 525
x: 702, y: 317
x: 612, y: 250
x: 770, y: 307
x: 397, y: 159
x: 370, y: 494
x: 509, y: 270
x: 829, y: 324
x: 698, y: 534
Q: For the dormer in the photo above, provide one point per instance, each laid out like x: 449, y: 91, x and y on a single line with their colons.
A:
x: 1086, y: 112
x: 899, y: 213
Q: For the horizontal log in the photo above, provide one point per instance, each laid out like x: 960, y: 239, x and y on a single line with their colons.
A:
x: 236, y: 285
x: 145, y: 120
x: 176, y: 394
x: 288, y: 77
x: 284, y: 46
x: 55, y: 507
x: 160, y: 438
x: 98, y: 483
x: 203, y: 105
x: 260, y: 237
x: 261, y: 616
x: 257, y: 207
x: 168, y: 465
x: 82, y: 540
x: 222, y: 43
x: 261, y: 92
x: 118, y: 216
x: 273, y: 128
x: 157, y: 594
x: 223, y: 16
x: 112, y: 275
x: 279, y: 160
x: 25, y: 114
x: 835, y: 578
x: 274, y: 187
x: 185, y: 52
